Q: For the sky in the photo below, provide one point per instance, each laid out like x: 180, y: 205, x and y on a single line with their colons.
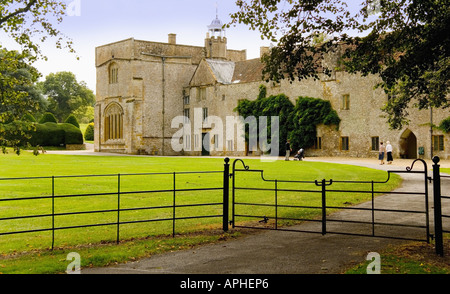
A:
x: 92, y: 23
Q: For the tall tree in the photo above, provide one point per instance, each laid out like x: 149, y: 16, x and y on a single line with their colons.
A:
x: 18, y: 93
x: 66, y: 95
x: 28, y: 23
x: 405, y: 42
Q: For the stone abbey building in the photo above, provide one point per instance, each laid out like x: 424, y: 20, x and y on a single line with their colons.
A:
x: 143, y: 88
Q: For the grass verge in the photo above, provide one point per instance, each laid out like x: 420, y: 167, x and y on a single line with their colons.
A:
x: 410, y: 258
x: 106, y: 254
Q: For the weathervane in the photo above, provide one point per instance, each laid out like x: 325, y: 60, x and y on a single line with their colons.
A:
x: 217, y: 10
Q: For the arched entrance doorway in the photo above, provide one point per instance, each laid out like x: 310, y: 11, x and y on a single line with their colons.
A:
x: 408, y: 145
x: 205, y: 144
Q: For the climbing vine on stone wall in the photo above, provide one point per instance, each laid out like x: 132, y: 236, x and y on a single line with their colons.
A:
x: 278, y: 105
x: 307, y: 114
x: 297, y: 123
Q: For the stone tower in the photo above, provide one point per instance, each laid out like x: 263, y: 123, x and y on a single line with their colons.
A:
x: 216, y: 42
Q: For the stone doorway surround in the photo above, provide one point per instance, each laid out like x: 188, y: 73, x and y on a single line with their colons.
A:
x: 408, y: 145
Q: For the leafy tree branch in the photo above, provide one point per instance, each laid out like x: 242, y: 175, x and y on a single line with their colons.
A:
x: 405, y: 42
x: 23, y: 20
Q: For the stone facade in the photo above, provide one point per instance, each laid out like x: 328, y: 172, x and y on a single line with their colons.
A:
x: 142, y: 87
x: 148, y: 85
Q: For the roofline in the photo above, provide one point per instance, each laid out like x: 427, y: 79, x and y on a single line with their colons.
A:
x: 117, y: 42
x: 155, y: 42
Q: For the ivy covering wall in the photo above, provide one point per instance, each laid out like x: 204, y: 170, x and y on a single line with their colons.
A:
x: 298, y: 122
x: 307, y: 115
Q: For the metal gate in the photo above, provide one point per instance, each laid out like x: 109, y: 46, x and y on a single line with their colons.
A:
x: 276, y: 204
x: 441, y: 216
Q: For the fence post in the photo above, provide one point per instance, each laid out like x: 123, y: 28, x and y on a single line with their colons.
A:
x: 53, y: 212
x: 118, y: 209
x: 324, y: 208
x: 174, y: 205
x: 226, y: 192
x: 276, y: 204
x: 373, y: 211
x: 437, y: 207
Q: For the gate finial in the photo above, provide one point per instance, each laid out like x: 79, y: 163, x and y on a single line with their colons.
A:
x: 436, y: 159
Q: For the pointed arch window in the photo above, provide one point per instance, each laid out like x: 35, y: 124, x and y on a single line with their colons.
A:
x: 113, y: 122
x: 113, y: 73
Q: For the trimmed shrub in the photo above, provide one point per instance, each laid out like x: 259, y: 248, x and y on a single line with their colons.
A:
x: 72, y: 134
x: 47, y: 134
x: 52, y: 134
x: 71, y: 119
x: 28, y: 117
x: 89, y: 133
x: 48, y: 117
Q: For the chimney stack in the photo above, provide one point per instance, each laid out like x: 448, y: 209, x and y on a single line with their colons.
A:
x: 172, y: 39
x: 264, y: 50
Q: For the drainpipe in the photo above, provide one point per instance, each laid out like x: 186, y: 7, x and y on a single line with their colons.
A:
x: 163, y: 101
x: 431, y: 132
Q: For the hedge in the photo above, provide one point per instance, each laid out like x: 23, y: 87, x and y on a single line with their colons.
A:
x: 48, y: 117
x: 89, y: 133
x: 71, y: 119
x: 73, y: 135
x: 47, y: 134
x: 29, y: 117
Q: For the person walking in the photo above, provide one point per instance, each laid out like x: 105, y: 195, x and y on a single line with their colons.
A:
x: 288, y: 150
x: 381, y: 152
x: 389, y: 152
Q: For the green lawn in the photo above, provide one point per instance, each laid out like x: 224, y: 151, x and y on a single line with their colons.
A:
x: 27, y: 165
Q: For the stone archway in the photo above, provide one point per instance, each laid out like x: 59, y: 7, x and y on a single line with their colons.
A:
x: 408, y: 145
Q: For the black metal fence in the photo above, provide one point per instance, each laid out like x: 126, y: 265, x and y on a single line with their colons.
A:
x: 49, y: 190
x: 266, y: 212
x: 368, y: 219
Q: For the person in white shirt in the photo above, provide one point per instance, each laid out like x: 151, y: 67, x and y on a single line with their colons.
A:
x: 389, y: 152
